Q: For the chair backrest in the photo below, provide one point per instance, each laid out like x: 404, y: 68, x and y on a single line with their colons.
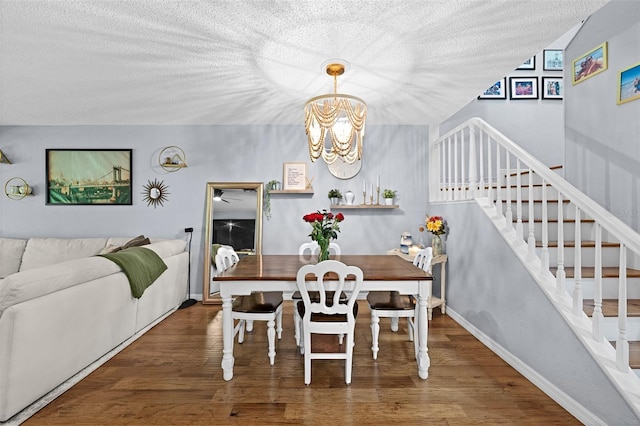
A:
x: 225, y: 258
x: 314, y: 248
x: 327, y: 276
x: 423, y: 259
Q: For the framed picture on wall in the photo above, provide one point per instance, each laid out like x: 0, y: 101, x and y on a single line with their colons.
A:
x: 591, y: 63
x: 552, y: 88
x: 523, y: 88
x: 94, y: 177
x: 497, y: 91
x: 295, y: 177
x: 629, y: 84
x: 552, y: 60
x: 529, y: 64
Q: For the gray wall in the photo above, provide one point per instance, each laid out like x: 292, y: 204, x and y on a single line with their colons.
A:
x: 492, y: 290
x: 217, y: 153
x: 603, y: 138
x: 535, y: 124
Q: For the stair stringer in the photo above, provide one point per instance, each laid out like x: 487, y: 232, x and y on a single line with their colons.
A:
x: 514, y: 310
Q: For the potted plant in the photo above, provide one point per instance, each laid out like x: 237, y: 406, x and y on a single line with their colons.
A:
x: 272, y: 185
x: 388, y: 195
x: 335, y: 196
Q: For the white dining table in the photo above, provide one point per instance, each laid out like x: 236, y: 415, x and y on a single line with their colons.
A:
x: 278, y: 273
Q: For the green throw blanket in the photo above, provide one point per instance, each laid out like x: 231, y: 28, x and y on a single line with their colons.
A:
x: 142, y: 267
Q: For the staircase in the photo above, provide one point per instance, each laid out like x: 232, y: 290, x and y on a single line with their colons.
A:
x: 584, y: 258
x: 609, y: 255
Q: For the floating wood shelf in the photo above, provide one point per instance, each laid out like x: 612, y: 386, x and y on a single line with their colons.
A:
x: 292, y: 191
x: 365, y: 206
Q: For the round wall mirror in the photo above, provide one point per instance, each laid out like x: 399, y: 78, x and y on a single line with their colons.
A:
x: 155, y: 193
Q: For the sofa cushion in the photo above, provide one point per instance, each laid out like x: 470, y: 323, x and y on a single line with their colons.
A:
x: 138, y: 241
x: 38, y: 282
x: 11, y: 251
x: 168, y: 248
x: 48, y: 251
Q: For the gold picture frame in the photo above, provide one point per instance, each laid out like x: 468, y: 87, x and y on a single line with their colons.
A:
x: 629, y: 84
x: 294, y: 177
x: 591, y: 63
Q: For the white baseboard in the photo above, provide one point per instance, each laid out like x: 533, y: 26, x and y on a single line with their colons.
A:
x: 564, y: 400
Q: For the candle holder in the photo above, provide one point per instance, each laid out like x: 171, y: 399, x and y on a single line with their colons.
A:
x: 364, y: 198
x: 378, y: 196
x: 371, y: 199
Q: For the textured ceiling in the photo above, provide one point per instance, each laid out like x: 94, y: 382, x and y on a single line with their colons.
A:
x: 257, y: 62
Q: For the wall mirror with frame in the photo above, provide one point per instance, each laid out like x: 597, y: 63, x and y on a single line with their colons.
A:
x: 234, y: 218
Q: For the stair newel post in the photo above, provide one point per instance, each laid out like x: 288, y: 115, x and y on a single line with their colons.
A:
x: 453, y: 167
x: 473, y: 164
x: 519, y: 229
x: 531, y: 239
x: 481, y: 184
x: 622, y: 344
x: 508, y: 216
x: 577, y: 267
x: 598, y: 318
x: 544, y: 253
x: 463, y: 190
x: 489, y: 173
x: 498, y: 183
x: 561, y: 275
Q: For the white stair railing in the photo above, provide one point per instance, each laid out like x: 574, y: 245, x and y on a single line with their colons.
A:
x: 476, y: 147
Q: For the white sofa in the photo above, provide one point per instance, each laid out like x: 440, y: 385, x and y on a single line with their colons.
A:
x: 62, y: 308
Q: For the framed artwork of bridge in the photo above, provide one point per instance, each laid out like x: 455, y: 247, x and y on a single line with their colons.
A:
x: 94, y: 177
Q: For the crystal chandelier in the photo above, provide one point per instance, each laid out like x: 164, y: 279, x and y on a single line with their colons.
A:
x: 335, y: 123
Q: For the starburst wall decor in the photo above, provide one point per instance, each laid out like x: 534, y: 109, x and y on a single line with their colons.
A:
x: 155, y: 193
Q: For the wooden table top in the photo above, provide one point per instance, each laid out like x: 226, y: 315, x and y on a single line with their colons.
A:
x: 285, y: 268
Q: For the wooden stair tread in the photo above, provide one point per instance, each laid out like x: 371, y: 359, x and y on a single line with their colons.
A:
x: 588, y: 272
x: 587, y: 243
x: 526, y: 172
x: 634, y: 354
x: 610, y: 307
x: 556, y: 220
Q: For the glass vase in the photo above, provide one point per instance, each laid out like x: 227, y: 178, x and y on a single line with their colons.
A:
x: 436, y: 245
x: 323, y: 254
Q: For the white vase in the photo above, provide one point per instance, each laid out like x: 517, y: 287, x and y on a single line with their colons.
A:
x: 388, y: 201
x: 349, y: 197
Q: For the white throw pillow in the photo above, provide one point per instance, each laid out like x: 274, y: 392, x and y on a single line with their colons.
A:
x: 11, y: 251
x: 48, y: 251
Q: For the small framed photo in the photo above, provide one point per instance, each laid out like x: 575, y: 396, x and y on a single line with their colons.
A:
x: 295, y: 177
x: 552, y: 60
x: 629, y: 84
x: 590, y: 64
x: 95, y: 177
x: 552, y: 88
x: 497, y: 91
x: 529, y: 64
x: 523, y: 88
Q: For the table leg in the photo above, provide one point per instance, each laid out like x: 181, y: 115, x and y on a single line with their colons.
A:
x: 423, y: 331
x: 227, y: 339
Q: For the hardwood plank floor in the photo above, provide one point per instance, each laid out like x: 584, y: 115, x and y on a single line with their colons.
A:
x: 172, y: 375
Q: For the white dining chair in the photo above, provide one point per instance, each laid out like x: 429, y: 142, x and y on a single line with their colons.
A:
x: 314, y: 248
x: 391, y: 304
x: 328, y: 315
x: 257, y: 306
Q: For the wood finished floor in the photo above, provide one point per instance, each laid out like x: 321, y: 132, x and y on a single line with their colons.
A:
x: 172, y: 376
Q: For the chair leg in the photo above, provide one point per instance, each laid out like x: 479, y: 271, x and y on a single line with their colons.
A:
x: 296, y: 324
x: 349, y: 361
x: 307, y: 358
x: 429, y: 313
x: 340, y: 339
x: 241, y: 331
x: 375, y: 332
x: 301, y: 339
x: 249, y: 326
x: 410, y: 329
x: 279, y: 324
x: 271, y: 336
x: 394, y: 323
